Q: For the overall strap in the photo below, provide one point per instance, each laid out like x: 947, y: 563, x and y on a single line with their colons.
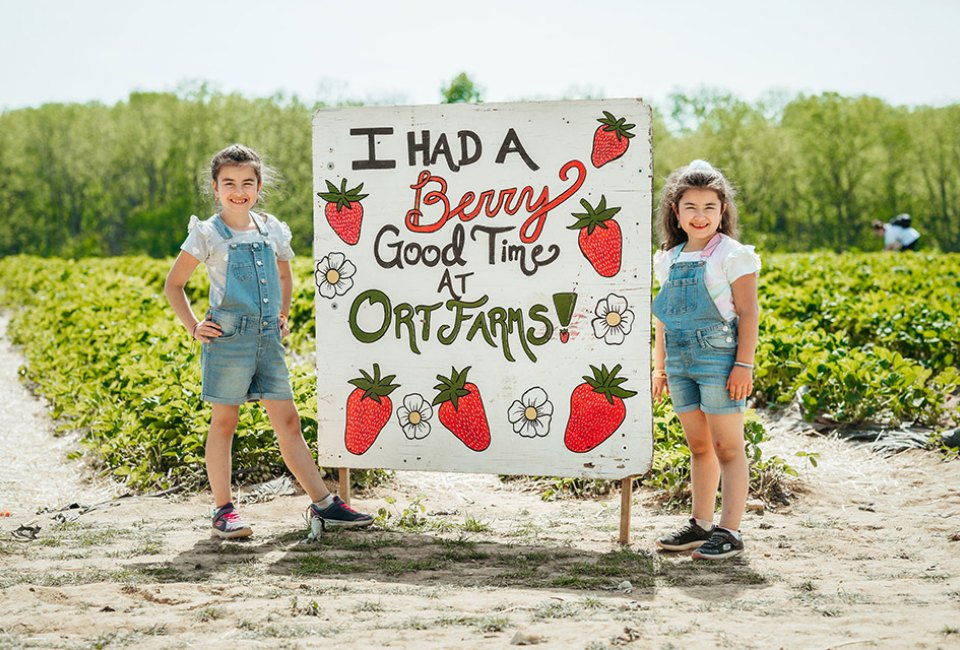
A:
x: 705, y: 253
x: 711, y: 246
x: 221, y: 227
x: 262, y: 227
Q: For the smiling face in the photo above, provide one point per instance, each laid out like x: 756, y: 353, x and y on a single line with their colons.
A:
x: 699, y: 212
x: 237, y: 189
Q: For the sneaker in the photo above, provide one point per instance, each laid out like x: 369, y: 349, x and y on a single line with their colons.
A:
x: 688, y: 537
x: 720, y: 545
x: 338, y: 515
x: 227, y: 524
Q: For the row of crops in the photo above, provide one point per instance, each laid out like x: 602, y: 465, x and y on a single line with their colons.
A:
x: 857, y: 338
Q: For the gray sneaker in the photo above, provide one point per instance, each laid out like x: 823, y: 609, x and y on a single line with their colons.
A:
x: 227, y: 524
x: 720, y: 545
x: 338, y: 515
x: 688, y: 537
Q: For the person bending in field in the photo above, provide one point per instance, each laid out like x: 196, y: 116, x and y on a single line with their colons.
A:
x: 899, y: 234
x: 707, y: 320
x: 247, y: 255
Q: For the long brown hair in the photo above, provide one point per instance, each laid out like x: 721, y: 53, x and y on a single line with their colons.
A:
x: 701, y: 175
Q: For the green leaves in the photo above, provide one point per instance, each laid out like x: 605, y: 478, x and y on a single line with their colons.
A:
x: 374, y: 387
x: 860, y: 338
x: 594, y: 216
x: 451, y: 389
x: 607, y: 383
x: 114, y: 364
x: 616, y: 125
x: 342, y: 197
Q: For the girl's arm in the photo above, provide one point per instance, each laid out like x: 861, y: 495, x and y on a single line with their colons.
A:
x: 177, y: 279
x: 659, y: 381
x: 740, y: 382
x: 286, y: 294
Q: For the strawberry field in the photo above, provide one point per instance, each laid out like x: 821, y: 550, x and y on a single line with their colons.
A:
x: 858, y: 339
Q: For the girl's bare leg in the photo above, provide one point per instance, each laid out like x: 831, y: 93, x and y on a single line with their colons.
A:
x: 223, y: 424
x: 286, y: 423
x: 727, y: 433
x: 704, y: 468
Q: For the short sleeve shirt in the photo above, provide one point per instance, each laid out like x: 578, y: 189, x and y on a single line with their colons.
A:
x: 205, y: 243
x: 730, y: 261
x: 903, y: 236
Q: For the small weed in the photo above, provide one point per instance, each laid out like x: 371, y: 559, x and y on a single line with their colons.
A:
x: 208, y: 614
x: 553, y: 609
x: 146, y: 548
x: 949, y: 630
x: 489, y: 624
x: 474, y: 525
x: 369, y: 606
x: 410, y: 518
x: 413, y: 624
x: 935, y: 577
x: 526, y: 577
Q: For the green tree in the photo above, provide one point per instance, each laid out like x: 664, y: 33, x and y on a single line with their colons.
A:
x: 461, y: 90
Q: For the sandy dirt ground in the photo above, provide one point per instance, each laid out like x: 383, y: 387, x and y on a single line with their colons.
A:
x: 866, y: 555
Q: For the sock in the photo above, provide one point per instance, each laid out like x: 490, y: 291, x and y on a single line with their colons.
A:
x: 703, y: 523
x: 735, y: 533
x: 225, y: 507
x: 325, y: 502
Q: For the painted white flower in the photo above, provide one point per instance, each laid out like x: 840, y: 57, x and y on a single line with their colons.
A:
x: 614, y: 321
x: 530, y: 415
x: 335, y: 275
x: 414, y: 416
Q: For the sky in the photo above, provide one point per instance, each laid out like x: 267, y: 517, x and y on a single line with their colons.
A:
x: 397, y: 52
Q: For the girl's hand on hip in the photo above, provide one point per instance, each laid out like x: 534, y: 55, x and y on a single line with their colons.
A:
x: 740, y: 383
x: 284, y: 328
x: 660, y: 387
x: 206, y: 330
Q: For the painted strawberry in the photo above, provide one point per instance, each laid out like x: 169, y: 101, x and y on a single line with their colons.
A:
x: 461, y: 409
x: 601, y: 241
x: 344, y: 212
x: 368, y: 410
x: 596, y: 409
x: 611, y: 139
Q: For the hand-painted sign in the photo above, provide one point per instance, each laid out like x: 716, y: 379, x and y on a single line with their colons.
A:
x: 483, y: 287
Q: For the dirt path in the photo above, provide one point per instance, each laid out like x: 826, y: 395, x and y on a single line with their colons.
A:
x: 862, y: 558
x: 35, y: 472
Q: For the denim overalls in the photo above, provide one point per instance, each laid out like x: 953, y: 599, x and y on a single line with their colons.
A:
x: 701, y: 345
x: 247, y: 362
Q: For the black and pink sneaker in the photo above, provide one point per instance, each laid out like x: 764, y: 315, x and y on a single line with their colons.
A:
x: 338, y: 515
x: 227, y: 524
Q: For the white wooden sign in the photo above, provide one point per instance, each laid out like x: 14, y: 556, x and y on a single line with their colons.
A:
x: 474, y: 263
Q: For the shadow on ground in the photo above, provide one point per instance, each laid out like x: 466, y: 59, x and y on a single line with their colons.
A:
x: 433, y: 559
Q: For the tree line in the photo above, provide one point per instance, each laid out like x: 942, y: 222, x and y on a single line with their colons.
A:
x: 812, y: 171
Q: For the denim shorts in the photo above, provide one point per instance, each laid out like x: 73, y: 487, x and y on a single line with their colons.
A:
x: 698, y: 365
x: 247, y: 363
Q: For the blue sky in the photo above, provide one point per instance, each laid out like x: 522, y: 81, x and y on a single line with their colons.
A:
x: 404, y: 52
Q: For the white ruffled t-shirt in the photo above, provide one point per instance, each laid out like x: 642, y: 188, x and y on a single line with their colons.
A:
x: 205, y: 243
x: 728, y: 262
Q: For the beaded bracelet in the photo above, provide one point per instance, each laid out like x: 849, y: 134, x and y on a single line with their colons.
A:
x: 749, y: 366
x: 660, y: 373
